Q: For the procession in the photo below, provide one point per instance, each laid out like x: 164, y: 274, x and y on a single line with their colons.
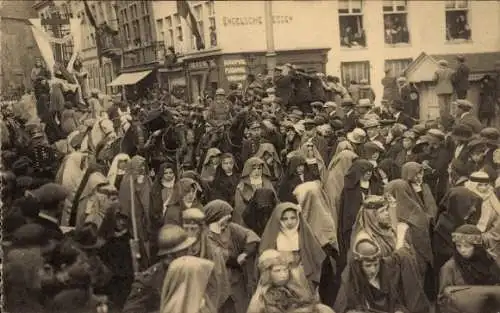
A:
x: 291, y: 189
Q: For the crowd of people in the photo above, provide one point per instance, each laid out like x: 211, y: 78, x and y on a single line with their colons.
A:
x: 287, y: 194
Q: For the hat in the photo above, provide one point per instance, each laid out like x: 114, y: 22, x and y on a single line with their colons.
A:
x: 374, y: 202
x: 347, y: 102
x: 296, y: 114
x: 270, y: 258
x: 467, y: 233
x: 401, y: 79
x: 365, y: 103
x: 330, y: 104
x: 279, y: 68
x: 461, y: 58
x: 491, y: 135
x: 436, y: 133
x: 371, y: 147
x: 173, y: 238
x: 193, y: 214
x: 476, y: 144
x: 462, y: 132
x: 270, y: 90
x: 309, y: 121
x: 95, y: 91
x: 480, y: 177
x: 443, y: 62
x: 419, y: 129
x: 87, y: 237
x: 358, y: 135
x: 410, y: 135
x: 426, y: 139
x: 50, y: 193
x: 317, y: 104
x: 363, y: 81
x: 463, y: 104
x: 367, y: 124
x: 220, y: 92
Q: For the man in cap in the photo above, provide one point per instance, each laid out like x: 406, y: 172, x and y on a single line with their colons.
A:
x: 444, y: 87
x: 350, y: 116
x: 284, y: 85
x: 252, y: 144
x: 491, y: 136
x: 50, y: 199
x: 363, y: 108
x: 220, y: 109
x: 461, y: 78
x: 145, y: 294
x: 372, y: 129
x: 466, y: 117
x: 401, y: 117
x: 408, y: 94
x: 461, y: 135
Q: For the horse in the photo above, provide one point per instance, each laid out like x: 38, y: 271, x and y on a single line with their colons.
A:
x: 228, y: 138
x: 102, y: 129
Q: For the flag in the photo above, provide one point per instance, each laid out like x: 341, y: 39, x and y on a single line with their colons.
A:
x: 98, y: 32
x: 184, y: 10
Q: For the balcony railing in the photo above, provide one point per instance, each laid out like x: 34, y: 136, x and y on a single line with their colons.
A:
x: 143, y: 54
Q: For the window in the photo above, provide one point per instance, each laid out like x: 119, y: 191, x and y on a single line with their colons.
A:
x: 126, y: 33
x: 198, y: 14
x: 211, y: 26
x: 178, y: 27
x: 147, y: 29
x: 124, y: 16
x: 136, y: 32
x: 92, y: 40
x: 160, y: 30
x: 457, y: 21
x: 395, y: 22
x: 145, y: 9
x: 354, y: 71
x: 133, y: 11
x: 170, y: 30
x: 352, y: 33
x: 397, y: 66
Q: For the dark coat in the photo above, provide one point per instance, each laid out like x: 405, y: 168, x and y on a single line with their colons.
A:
x: 406, y: 120
x: 317, y: 91
x: 52, y: 230
x: 461, y: 78
x: 284, y: 88
x: 224, y: 187
x: 145, y: 294
x: 302, y: 93
x: 351, y: 122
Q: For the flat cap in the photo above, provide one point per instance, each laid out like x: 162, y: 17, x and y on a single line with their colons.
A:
x: 50, y: 192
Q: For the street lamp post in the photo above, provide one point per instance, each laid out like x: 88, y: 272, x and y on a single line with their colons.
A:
x: 270, y: 52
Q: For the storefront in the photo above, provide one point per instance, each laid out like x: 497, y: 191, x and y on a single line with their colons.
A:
x: 135, y: 84
x: 234, y: 68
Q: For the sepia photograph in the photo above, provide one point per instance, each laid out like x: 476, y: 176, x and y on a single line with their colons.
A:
x: 238, y: 156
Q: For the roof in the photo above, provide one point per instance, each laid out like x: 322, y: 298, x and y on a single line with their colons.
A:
x: 423, y: 67
x: 477, y: 62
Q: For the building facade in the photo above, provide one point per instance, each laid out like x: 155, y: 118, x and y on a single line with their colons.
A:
x: 104, y: 13
x: 142, y: 52
x: 343, y: 37
x: 18, y: 47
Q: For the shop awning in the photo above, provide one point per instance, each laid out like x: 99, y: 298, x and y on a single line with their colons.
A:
x: 129, y: 78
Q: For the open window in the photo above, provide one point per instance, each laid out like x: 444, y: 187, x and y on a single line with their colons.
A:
x: 352, y: 33
x: 395, y: 22
x: 457, y: 20
x: 354, y: 72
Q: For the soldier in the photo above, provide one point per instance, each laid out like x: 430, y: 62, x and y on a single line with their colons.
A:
x: 145, y: 295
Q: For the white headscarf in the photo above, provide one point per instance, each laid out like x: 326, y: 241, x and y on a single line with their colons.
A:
x: 114, y: 170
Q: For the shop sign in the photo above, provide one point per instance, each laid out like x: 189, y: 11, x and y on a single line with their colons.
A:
x: 254, y: 20
x: 236, y: 70
x: 200, y: 65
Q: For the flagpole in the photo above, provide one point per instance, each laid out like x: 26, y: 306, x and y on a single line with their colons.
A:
x: 270, y: 53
